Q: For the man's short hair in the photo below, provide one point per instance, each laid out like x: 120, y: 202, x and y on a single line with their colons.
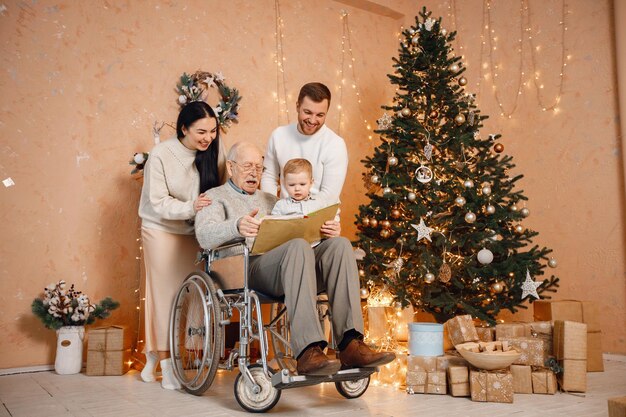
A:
x: 298, y: 165
x: 317, y: 92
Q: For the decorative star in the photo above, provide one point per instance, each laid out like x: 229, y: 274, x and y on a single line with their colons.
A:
x: 423, y: 231
x: 209, y: 81
x: 384, y: 122
x: 219, y: 77
x: 529, y: 287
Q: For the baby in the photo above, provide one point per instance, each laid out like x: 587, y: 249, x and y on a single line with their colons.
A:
x: 298, y: 179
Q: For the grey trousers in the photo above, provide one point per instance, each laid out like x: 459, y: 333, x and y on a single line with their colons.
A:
x: 300, y: 272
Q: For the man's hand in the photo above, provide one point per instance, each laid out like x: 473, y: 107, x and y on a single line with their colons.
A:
x: 201, y: 202
x: 331, y: 228
x: 248, y: 226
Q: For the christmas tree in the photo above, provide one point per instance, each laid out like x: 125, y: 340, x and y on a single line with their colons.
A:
x: 444, y: 228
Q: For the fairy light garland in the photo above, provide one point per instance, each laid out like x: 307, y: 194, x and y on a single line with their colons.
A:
x: 279, y: 59
x: 346, y: 40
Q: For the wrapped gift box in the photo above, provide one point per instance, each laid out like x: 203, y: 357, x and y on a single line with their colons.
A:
x: 544, y: 382
x: 416, y: 382
x: 377, y: 322
x: 507, y: 330
x: 570, y: 349
x: 107, y: 353
x: 436, y: 382
x: 522, y: 380
x: 617, y: 407
x: 533, y: 350
x: 461, y: 329
x: 579, y: 311
x: 486, y: 334
x: 458, y: 381
x: 422, y: 363
x: 447, y: 360
x: 491, y: 386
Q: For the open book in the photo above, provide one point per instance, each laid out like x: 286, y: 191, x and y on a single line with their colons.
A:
x: 276, y: 230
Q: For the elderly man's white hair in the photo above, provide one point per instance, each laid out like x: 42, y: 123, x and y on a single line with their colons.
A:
x: 238, y: 146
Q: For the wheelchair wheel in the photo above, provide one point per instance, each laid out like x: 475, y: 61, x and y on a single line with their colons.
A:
x: 195, y: 333
x: 353, y: 389
x: 259, y: 402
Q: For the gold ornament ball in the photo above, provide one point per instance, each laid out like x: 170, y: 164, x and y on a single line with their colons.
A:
x: 411, y: 196
x: 429, y: 278
x: 490, y: 209
x: 415, y: 39
x: 498, y: 147
x: 459, y: 119
x: 519, y: 229
x: 395, y: 213
x: 392, y: 161
x: 486, y: 190
x: 462, y: 81
x: 433, y: 114
x: 468, y: 184
x: 454, y: 68
x: 405, y: 112
x: 513, y: 207
x: 497, y: 287
x: 525, y: 212
x: 375, y: 179
x: 387, y: 190
x: 373, y: 222
x: 460, y: 201
x: 385, y: 233
x: 364, y: 293
x: 552, y: 263
x: 386, y: 224
x: 365, y: 221
x: 470, y: 217
x: 361, y: 272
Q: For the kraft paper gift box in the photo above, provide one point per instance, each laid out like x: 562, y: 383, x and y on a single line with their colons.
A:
x: 458, y: 381
x: 510, y: 330
x: 582, y: 312
x: 107, y: 353
x: 570, y: 349
x: 422, y: 363
x: 522, y: 379
x: 461, y: 329
x: 445, y: 361
x: 486, y: 334
x: 491, y: 386
x: 544, y: 382
x: 532, y: 350
x: 436, y: 382
x: 617, y: 407
x: 416, y: 382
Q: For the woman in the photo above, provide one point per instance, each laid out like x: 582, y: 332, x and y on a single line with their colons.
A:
x: 178, y: 172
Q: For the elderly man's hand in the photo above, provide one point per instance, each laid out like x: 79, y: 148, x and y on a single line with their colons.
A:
x: 249, y: 226
x: 331, y: 228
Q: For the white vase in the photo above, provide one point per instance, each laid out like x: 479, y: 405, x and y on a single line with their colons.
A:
x: 69, y: 357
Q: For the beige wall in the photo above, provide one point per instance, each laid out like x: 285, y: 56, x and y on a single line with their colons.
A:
x: 83, y: 82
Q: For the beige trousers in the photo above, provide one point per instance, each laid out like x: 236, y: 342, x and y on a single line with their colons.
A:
x: 168, y: 258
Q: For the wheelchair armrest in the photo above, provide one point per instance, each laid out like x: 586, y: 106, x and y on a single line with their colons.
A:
x: 233, y: 247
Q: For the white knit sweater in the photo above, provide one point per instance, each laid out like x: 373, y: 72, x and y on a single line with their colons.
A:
x: 171, y: 184
x: 325, y: 150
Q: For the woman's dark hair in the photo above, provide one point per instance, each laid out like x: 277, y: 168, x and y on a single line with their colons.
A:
x: 206, y: 161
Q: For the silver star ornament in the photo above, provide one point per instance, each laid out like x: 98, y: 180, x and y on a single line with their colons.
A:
x: 529, y: 287
x: 423, y: 231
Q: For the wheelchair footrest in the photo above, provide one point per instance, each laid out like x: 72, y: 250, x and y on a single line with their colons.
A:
x: 284, y: 379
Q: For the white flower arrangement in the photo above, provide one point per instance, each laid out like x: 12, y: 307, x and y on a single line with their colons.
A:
x: 61, y: 306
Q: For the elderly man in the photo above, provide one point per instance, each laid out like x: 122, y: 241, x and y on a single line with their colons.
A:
x: 293, y: 269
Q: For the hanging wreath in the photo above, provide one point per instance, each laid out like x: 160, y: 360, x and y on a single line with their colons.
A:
x: 196, y: 88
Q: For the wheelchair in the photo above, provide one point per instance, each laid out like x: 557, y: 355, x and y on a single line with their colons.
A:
x: 205, y: 304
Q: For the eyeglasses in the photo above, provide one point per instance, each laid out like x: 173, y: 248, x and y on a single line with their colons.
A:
x: 248, y: 167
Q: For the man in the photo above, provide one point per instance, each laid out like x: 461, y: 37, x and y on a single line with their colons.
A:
x: 293, y: 269
x: 310, y: 139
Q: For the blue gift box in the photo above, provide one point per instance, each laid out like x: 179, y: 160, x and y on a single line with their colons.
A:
x: 426, y: 339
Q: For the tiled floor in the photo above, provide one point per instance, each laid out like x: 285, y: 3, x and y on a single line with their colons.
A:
x: 48, y: 394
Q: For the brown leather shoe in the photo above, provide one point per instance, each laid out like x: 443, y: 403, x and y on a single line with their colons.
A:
x: 314, y: 362
x: 358, y: 355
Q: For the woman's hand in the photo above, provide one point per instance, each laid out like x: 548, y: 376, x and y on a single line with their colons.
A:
x: 331, y: 228
x: 248, y: 226
x: 201, y: 202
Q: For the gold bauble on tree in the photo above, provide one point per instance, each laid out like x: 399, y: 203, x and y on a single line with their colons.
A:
x: 454, y: 68
x: 373, y: 222
x: 433, y: 114
x: 462, y: 81
x: 497, y: 287
x: 459, y: 119
x: 405, y: 112
x: 395, y: 213
x: 361, y: 272
x: 386, y: 224
x: 498, y: 147
x: 385, y: 233
x: 365, y: 221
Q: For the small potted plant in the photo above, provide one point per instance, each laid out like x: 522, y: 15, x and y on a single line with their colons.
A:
x: 68, y: 311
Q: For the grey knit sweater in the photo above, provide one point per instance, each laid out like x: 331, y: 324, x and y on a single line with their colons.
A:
x: 217, y: 223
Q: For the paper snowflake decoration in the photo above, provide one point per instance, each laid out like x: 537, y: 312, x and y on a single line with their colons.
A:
x: 423, y: 231
x: 384, y: 122
x: 529, y: 287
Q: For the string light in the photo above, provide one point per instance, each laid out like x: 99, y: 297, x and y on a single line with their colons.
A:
x: 346, y: 40
x: 280, y: 59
